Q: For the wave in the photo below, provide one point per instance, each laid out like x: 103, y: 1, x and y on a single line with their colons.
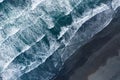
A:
x: 51, y: 21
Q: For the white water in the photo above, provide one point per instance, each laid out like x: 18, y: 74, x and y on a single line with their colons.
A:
x: 12, y: 71
x: 1, y: 1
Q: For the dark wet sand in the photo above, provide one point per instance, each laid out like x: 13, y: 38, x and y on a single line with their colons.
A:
x: 87, y: 59
x: 98, y: 59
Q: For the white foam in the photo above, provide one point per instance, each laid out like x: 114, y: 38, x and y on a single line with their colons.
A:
x: 115, y: 4
x: 78, y: 21
x: 35, y: 3
x: 27, y: 47
x: 1, y: 1
x: 16, y: 69
x: 55, y: 47
x: 63, y: 31
x: 13, y: 31
x: 87, y: 15
x: 65, y: 4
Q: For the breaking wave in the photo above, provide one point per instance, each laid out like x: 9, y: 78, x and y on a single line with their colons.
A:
x: 40, y: 35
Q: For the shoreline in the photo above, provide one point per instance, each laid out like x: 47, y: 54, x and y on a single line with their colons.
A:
x: 80, y: 58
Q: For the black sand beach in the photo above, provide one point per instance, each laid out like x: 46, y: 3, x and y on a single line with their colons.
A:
x: 90, y: 57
